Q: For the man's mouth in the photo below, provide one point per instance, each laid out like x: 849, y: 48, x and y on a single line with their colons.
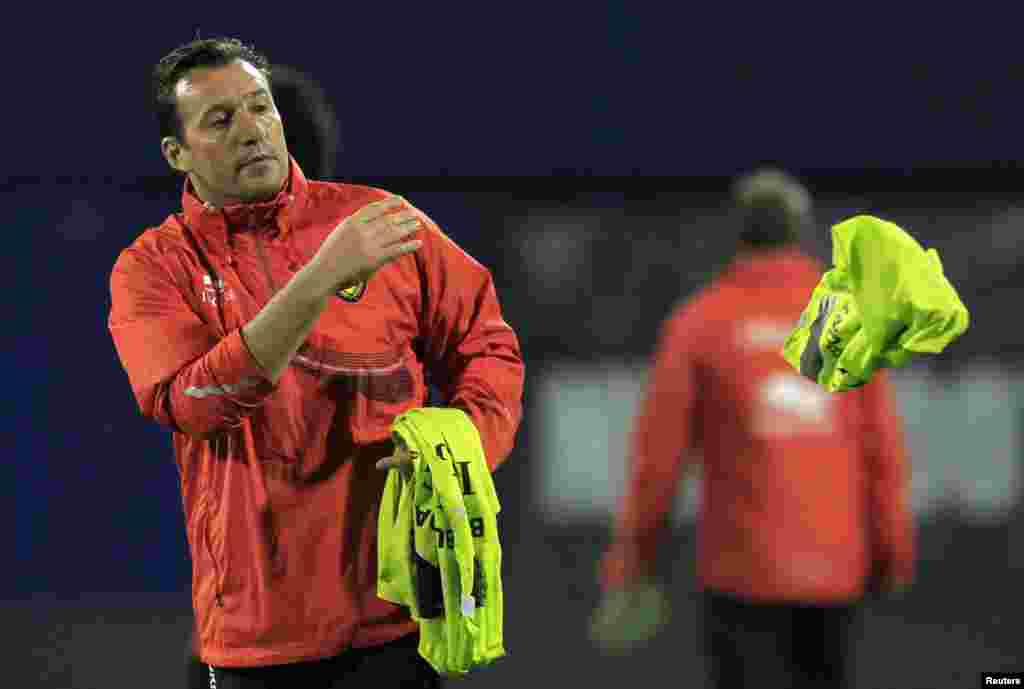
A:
x: 256, y: 159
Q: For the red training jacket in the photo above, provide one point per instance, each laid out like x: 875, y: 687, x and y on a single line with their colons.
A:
x: 278, y: 481
x: 803, y: 492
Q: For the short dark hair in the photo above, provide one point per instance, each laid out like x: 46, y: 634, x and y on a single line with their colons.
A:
x: 773, y: 207
x: 202, y: 52
x: 310, y: 123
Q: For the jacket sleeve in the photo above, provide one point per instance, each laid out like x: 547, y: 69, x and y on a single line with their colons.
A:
x: 183, y: 375
x: 888, y: 481
x: 662, y: 434
x: 472, y: 354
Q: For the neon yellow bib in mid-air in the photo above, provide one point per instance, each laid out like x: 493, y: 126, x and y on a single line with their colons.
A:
x: 885, y: 300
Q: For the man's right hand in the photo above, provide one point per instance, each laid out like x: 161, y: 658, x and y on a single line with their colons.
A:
x: 365, y: 241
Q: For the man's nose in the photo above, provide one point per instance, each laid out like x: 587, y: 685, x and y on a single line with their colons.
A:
x: 250, y: 129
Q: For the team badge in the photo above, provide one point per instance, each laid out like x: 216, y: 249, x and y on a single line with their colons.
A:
x: 352, y: 293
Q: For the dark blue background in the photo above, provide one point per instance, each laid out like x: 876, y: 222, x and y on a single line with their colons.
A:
x: 528, y: 88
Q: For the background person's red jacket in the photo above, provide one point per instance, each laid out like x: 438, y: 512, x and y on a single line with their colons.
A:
x: 803, y: 493
x: 278, y: 481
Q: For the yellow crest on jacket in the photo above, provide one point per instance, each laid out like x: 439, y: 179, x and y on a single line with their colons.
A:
x: 352, y: 293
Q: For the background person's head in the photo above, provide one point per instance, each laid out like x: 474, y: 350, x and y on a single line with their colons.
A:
x: 310, y: 124
x: 218, y: 122
x: 773, y: 209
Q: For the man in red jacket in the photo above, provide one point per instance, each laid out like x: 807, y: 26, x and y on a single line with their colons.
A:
x: 804, y: 493
x: 277, y: 325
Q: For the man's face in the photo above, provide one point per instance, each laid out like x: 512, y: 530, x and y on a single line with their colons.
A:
x: 234, y: 149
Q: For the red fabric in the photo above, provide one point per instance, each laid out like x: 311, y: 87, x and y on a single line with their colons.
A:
x: 278, y: 481
x: 803, y: 493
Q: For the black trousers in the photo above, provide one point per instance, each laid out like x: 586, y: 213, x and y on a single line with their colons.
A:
x: 396, y: 664
x: 755, y: 644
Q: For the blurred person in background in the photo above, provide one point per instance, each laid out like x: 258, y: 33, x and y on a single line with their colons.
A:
x: 311, y: 129
x: 311, y: 137
x: 278, y: 325
x: 804, y: 503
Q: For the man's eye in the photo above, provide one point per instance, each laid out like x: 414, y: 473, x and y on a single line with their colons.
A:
x: 220, y: 122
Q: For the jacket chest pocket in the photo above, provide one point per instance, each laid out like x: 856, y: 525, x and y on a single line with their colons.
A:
x: 366, y: 392
x: 364, y: 353
x: 377, y: 393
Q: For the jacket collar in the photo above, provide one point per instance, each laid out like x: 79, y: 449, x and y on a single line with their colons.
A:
x: 278, y: 214
x: 773, y: 267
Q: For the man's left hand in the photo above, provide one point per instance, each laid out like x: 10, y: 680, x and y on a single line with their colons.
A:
x: 401, y: 460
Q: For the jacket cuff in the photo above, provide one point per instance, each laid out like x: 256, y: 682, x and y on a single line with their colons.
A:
x: 241, y: 375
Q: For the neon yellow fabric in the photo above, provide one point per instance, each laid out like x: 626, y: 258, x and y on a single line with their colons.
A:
x: 438, y: 548
x: 885, y: 300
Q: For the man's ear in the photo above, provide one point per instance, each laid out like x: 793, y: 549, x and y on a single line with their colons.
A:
x: 176, y: 155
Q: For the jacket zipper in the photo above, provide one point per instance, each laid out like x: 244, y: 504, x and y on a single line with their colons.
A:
x: 273, y: 290
x: 265, y: 265
x: 268, y: 276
